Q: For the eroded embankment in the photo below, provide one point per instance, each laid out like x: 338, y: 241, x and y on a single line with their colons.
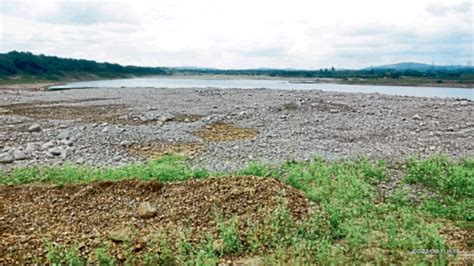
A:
x: 90, y: 216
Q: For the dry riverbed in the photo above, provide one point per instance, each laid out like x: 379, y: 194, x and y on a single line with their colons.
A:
x: 224, y: 129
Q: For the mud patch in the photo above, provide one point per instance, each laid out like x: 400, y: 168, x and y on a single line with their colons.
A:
x: 225, y: 132
x: 85, y: 215
x: 112, y: 114
x: 157, y: 149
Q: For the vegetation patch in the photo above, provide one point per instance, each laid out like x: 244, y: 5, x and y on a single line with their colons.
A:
x: 225, y: 132
x: 314, y: 212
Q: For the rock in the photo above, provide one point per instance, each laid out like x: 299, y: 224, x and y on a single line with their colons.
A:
x: 166, y: 117
x: 6, y: 157
x: 65, y: 153
x: 67, y: 142
x: 56, y: 151
x: 31, y: 147
x: 65, y: 134
x: 123, y: 234
x: 416, y: 117
x: 47, y: 145
x: 19, y: 155
x: 35, y: 128
x: 146, y: 210
x: 333, y: 111
x: 105, y: 129
x: 125, y: 143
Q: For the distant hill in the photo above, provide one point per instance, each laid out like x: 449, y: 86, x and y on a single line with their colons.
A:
x: 404, y: 66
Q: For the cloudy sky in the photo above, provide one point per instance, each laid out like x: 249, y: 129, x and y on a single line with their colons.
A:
x: 308, y: 34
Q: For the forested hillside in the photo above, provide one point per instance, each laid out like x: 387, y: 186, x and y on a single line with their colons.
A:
x: 25, y: 63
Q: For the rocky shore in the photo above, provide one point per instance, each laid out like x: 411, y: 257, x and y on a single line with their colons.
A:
x: 224, y: 129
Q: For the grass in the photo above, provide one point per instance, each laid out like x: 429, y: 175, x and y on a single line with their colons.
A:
x: 166, y: 169
x: 351, y: 223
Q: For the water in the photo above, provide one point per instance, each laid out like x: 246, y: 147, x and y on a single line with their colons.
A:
x: 271, y: 84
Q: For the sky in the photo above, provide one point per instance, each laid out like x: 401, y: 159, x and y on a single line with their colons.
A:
x: 305, y: 34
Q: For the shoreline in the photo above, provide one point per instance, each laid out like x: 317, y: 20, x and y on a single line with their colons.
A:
x: 40, y: 86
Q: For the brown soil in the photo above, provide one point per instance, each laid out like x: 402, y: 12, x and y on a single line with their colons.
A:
x: 86, y: 215
x: 89, y: 114
x: 157, y: 149
x: 225, y: 132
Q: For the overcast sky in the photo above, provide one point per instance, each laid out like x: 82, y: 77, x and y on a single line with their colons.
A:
x: 307, y: 34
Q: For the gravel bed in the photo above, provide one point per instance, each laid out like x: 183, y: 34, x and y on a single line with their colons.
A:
x: 97, y: 126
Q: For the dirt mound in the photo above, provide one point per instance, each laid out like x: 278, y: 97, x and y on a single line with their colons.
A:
x: 85, y: 215
x: 157, y: 149
x: 225, y: 132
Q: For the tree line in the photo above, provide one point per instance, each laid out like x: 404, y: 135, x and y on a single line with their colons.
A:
x: 51, y: 67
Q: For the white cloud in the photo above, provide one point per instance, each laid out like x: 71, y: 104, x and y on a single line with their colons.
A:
x: 242, y: 34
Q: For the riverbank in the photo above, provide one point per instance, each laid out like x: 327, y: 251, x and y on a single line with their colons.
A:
x: 224, y: 129
x: 261, y: 177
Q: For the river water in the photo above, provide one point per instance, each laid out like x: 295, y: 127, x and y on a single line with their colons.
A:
x: 271, y: 84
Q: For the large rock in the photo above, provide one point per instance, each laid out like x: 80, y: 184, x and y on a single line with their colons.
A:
x: 35, y: 128
x: 31, y: 147
x: 121, y: 234
x: 6, y: 157
x: 19, y: 155
x: 146, y: 210
x: 65, y: 134
x: 66, y: 153
x: 48, y: 145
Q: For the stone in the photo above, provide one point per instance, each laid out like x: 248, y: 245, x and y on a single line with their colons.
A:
x: 56, y: 151
x: 47, y: 145
x: 416, y: 117
x: 67, y: 152
x: 146, y: 210
x: 19, y: 155
x: 67, y: 142
x: 122, y: 234
x: 105, y: 129
x: 31, y: 147
x: 333, y: 111
x: 65, y: 134
x: 125, y: 143
x: 6, y: 157
x: 35, y: 128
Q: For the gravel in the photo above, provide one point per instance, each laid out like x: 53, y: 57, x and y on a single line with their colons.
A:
x: 97, y: 127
